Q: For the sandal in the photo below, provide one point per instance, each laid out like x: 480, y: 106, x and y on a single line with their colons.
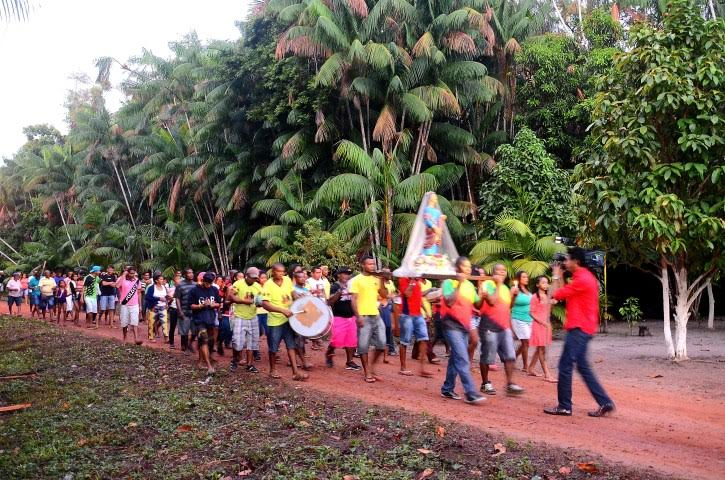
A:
x: 551, y: 380
x: 300, y: 377
x: 426, y: 374
x: 370, y: 379
x: 275, y: 375
x: 406, y: 373
x: 534, y: 374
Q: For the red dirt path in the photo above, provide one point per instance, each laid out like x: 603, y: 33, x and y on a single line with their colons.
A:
x: 660, y: 423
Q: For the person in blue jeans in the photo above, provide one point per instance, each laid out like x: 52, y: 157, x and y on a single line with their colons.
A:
x: 459, y: 298
x: 582, y: 320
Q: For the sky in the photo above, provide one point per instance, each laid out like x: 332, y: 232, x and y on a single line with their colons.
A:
x: 63, y: 37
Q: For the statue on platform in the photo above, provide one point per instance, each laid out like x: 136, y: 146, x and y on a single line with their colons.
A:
x: 434, y: 221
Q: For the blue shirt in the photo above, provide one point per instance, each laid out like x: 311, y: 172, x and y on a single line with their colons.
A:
x: 33, y: 285
x: 520, y: 310
x: 206, y: 315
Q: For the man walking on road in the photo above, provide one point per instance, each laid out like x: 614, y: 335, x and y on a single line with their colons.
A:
x: 107, y: 300
x: 183, y: 303
x: 582, y: 320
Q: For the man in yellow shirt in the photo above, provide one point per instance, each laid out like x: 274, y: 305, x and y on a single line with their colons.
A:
x: 245, y: 327
x: 277, y: 299
x: 47, y: 288
x: 366, y: 289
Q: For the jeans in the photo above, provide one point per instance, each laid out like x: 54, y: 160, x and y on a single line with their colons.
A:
x: 225, y: 330
x: 262, y: 318
x: 173, y: 319
x: 386, y: 313
x: 458, y: 363
x: 372, y: 332
x: 412, y: 326
x: 575, y: 351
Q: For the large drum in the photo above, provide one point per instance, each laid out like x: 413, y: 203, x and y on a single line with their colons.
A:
x: 312, y: 317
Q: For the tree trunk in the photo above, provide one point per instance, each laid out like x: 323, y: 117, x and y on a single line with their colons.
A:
x: 205, y: 234
x: 665, y: 279
x: 65, y: 225
x: 123, y: 191
x: 710, y: 306
x: 9, y: 246
x: 5, y: 255
x: 567, y: 29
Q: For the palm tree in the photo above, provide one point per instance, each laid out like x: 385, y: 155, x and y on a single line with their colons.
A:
x: 14, y: 9
x: 517, y: 248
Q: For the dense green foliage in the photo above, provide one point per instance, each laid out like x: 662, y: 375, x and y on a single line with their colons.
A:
x: 652, y: 187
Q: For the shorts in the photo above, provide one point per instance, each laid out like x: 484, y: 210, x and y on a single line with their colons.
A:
x: 34, y: 299
x: 69, y: 304
x: 412, y: 326
x: 202, y: 336
x: 129, y: 315
x: 107, y: 302
x: 372, y: 332
x: 522, y: 330
x: 46, y: 302
x: 184, y: 324
x: 496, y: 342
x: 344, y: 333
x: 91, y: 305
x: 15, y: 301
x: 245, y: 333
x: 276, y: 334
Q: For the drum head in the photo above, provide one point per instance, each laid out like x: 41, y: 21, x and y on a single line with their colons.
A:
x: 312, y: 317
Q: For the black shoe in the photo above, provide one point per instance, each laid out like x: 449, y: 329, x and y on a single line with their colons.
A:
x: 558, y: 411
x: 252, y: 369
x: 233, y: 366
x: 257, y: 356
x: 475, y: 398
x: 602, y: 411
x: 450, y: 395
x: 328, y: 362
x: 351, y: 366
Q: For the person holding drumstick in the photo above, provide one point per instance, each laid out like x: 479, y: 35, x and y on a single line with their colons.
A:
x: 277, y: 298
x: 344, y: 328
x: 365, y: 289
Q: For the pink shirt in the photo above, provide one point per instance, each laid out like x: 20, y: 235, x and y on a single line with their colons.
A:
x: 540, y: 309
x: 125, y: 288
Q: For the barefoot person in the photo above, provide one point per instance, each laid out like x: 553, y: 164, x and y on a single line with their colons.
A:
x: 459, y: 299
x: 582, y: 321
x: 541, y: 327
x: 129, y: 287
x: 205, y: 301
x: 495, y: 332
x: 412, y: 324
x: 344, y: 327
x: 15, y: 293
x: 366, y: 289
x: 47, y: 287
x: 183, y: 302
x: 521, y: 316
x: 107, y: 298
x: 277, y: 298
x: 245, y: 326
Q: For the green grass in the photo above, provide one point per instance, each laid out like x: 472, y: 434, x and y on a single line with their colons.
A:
x: 106, y: 410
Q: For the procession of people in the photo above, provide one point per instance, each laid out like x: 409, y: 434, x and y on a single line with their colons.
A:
x: 210, y: 313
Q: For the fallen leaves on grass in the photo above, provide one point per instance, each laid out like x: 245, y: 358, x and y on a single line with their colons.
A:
x: 133, y: 424
x: 244, y: 473
x: 565, y: 470
x: 349, y: 477
x: 498, y: 449
x: 82, y: 442
x: 184, y: 428
x: 424, y: 474
x: 588, y: 467
x: 425, y: 451
x: 440, y: 431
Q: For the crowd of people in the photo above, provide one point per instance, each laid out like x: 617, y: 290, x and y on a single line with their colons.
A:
x: 211, y: 314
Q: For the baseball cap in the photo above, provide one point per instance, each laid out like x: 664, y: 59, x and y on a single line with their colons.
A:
x: 252, y: 272
x: 208, y: 277
x: 345, y: 270
x: 95, y: 268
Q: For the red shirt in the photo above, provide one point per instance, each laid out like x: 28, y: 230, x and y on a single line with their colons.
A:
x: 412, y: 305
x: 582, y: 301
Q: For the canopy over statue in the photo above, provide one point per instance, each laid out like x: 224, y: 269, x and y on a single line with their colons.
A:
x: 431, y: 251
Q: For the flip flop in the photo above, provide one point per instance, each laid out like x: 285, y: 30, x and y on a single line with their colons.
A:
x: 534, y: 374
x: 406, y: 373
x: 275, y: 375
x: 551, y: 380
x: 426, y: 374
x: 370, y: 379
x: 300, y: 377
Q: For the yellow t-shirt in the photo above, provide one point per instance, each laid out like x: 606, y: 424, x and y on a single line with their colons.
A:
x: 366, y: 287
x: 47, y: 285
x: 248, y: 292
x: 279, y: 296
x: 390, y: 287
x: 427, y: 307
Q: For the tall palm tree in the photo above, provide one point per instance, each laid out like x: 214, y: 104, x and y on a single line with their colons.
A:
x: 14, y: 10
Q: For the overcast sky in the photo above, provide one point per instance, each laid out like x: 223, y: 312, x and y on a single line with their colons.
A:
x: 62, y: 37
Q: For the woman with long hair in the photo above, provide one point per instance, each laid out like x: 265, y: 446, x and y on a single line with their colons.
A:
x: 156, y: 300
x: 541, y: 328
x: 521, y: 316
x: 76, y: 288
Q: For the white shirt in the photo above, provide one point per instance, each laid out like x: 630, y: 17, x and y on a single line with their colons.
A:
x: 316, y: 287
x: 15, y: 288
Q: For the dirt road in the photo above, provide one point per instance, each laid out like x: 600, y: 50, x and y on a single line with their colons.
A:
x: 670, y: 416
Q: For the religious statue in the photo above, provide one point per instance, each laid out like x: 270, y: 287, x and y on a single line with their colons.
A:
x: 434, y: 222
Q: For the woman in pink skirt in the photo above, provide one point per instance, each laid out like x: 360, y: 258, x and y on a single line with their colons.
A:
x: 541, y: 329
x: 344, y: 327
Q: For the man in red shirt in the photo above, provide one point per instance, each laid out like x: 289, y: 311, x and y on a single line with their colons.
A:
x: 582, y: 319
x: 412, y: 324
